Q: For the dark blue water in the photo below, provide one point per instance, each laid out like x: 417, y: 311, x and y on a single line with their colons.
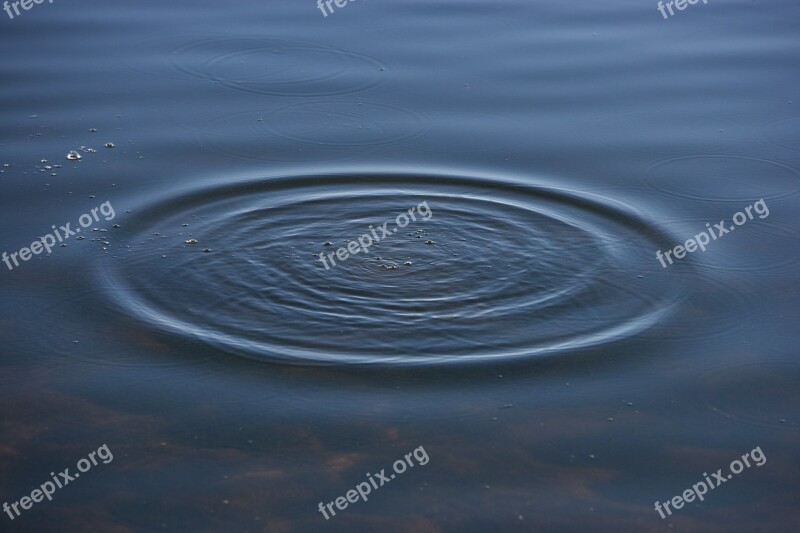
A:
x: 212, y: 328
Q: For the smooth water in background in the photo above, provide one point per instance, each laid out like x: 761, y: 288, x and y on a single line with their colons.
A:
x: 524, y: 333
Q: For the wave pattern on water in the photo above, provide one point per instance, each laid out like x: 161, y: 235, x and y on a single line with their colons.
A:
x: 262, y: 66
x: 510, y: 271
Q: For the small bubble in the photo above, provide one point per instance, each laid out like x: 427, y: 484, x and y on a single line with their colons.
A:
x: 191, y: 241
x: 73, y: 155
x: 92, y: 130
x: 430, y: 242
x: 109, y: 145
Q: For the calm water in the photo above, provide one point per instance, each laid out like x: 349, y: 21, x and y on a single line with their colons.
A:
x: 520, y: 328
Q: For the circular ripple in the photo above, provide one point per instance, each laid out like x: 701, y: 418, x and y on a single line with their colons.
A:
x: 465, y: 134
x: 329, y: 127
x: 761, y: 394
x: 723, y: 178
x: 758, y: 247
x: 244, y: 135
x: 261, y: 65
x: 344, y: 123
x: 782, y: 133
x: 497, y: 270
x: 662, y: 132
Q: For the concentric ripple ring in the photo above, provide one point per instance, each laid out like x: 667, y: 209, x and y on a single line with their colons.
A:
x: 490, y: 269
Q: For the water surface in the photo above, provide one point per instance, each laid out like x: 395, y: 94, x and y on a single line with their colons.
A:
x: 525, y: 334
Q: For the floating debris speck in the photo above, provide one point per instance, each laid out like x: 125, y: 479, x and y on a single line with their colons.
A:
x: 109, y: 145
x: 191, y: 241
